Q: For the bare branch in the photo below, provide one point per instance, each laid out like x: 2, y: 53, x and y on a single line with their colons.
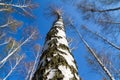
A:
x: 24, y: 7
x: 34, y: 66
x: 17, y: 63
x: 2, y: 35
x: 12, y: 24
x: 7, y: 9
x: 17, y: 48
x: 14, y: 5
x: 105, y: 10
x: 54, y: 10
x: 110, y: 22
x: 6, y: 42
x: 28, y: 74
x: 92, y: 8
x: 103, y: 38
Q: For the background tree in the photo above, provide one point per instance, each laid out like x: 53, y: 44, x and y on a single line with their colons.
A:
x: 13, y: 45
x: 107, y: 25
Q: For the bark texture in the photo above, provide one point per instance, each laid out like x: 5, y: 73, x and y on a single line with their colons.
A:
x: 56, y: 62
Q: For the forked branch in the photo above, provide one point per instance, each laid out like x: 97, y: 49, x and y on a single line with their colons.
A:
x: 14, y: 67
x: 17, y: 48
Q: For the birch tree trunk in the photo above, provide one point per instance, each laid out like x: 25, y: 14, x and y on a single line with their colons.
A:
x: 56, y: 61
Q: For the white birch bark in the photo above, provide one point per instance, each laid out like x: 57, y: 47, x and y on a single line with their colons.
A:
x: 56, y: 61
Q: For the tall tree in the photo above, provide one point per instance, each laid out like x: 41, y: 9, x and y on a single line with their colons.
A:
x: 56, y: 61
x: 10, y: 46
x: 106, y: 28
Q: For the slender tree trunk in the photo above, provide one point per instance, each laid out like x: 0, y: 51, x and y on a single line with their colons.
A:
x: 94, y: 54
x: 56, y: 62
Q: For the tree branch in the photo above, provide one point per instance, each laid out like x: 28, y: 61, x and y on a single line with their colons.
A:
x: 9, y: 55
x: 105, y: 10
x: 34, y: 66
x: 103, y: 38
x: 17, y: 62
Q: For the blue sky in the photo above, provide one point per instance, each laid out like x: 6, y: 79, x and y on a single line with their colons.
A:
x: 44, y: 23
